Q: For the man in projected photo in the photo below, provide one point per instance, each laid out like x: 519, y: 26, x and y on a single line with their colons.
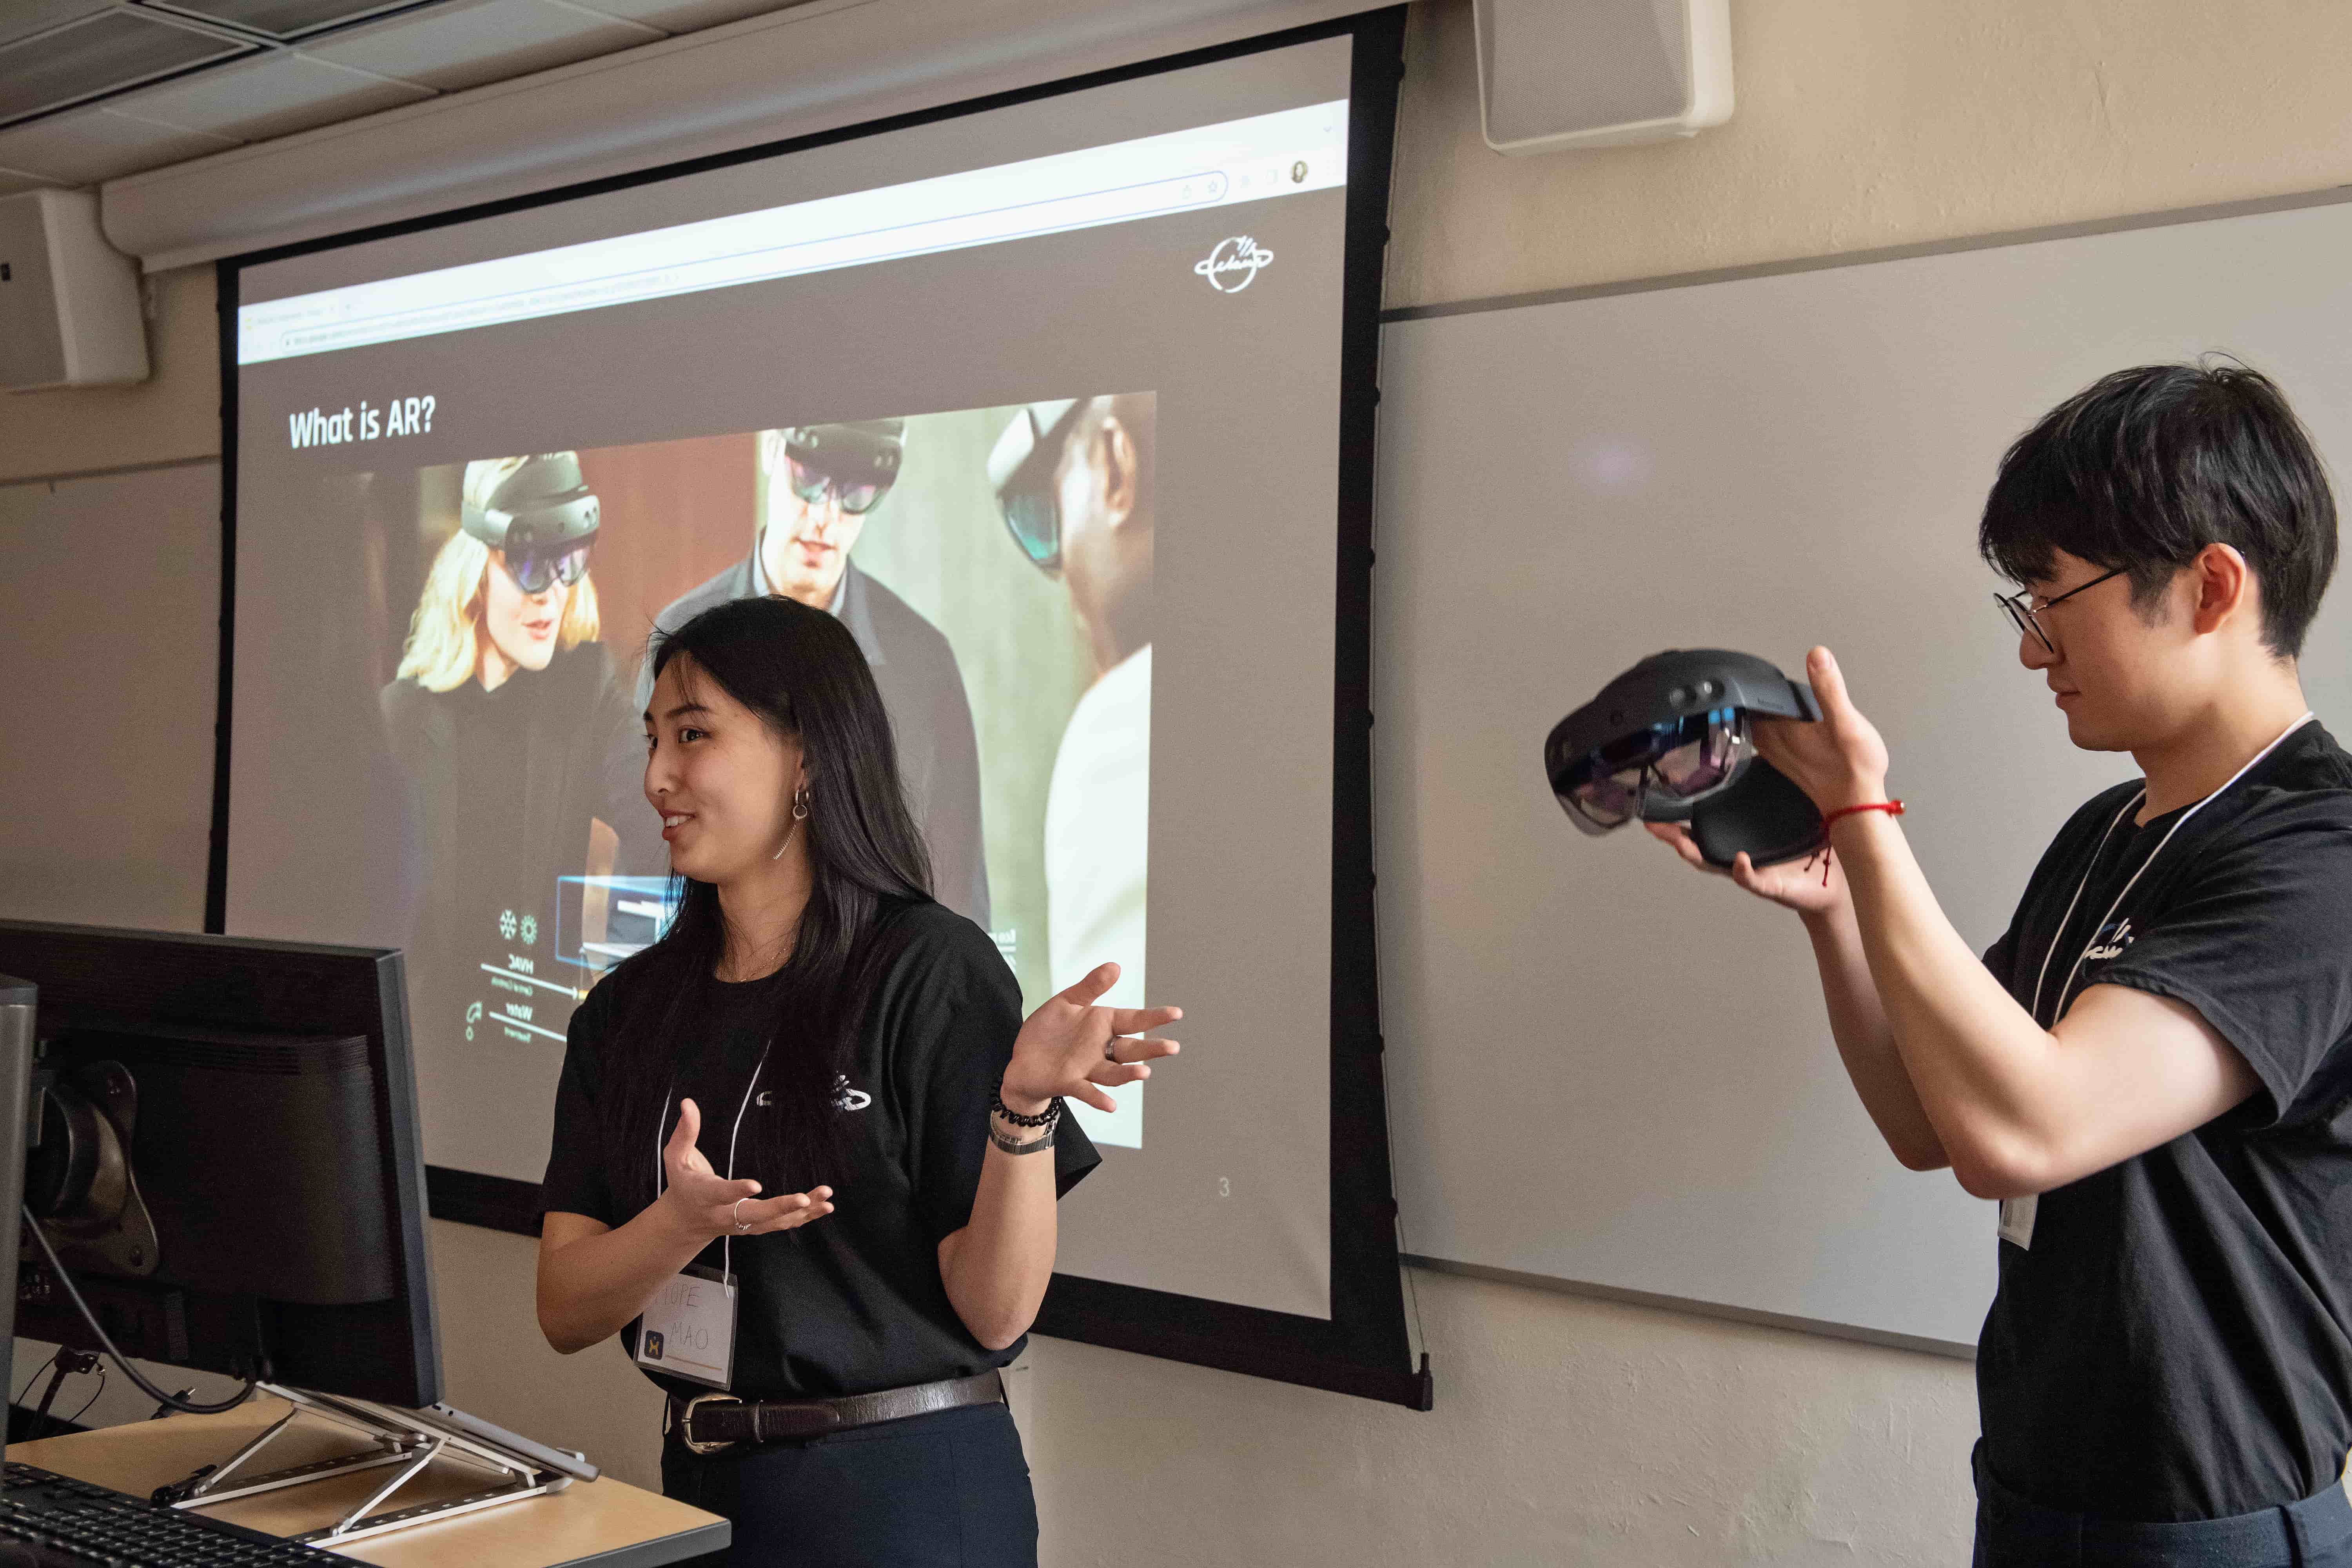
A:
x: 1073, y: 479
x: 493, y: 716
x: 823, y: 482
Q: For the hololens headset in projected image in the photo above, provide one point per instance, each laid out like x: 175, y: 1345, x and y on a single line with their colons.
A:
x: 542, y: 518
x: 1669, y: 740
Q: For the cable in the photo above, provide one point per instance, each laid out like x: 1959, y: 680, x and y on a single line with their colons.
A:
x: 186, y: 1406
x: 34, y: 1378
x: 75, y: 1419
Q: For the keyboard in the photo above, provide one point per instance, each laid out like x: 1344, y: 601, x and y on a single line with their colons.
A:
x: 51, y: 1520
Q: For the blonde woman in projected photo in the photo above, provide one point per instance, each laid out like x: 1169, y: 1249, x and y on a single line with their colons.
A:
x: 498, y: 717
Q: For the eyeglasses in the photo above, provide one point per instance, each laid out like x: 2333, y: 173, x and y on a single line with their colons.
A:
x: 1679, y: 758
x: 857, y: 498
x: 538, y: 573
x: 2021, y: 611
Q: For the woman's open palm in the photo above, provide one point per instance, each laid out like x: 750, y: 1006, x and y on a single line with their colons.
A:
x: 708, y: 1203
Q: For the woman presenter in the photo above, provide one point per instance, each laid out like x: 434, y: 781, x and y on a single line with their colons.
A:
x: 807, y: 1150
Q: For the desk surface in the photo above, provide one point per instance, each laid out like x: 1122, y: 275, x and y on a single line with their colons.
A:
x: 606, y: 1522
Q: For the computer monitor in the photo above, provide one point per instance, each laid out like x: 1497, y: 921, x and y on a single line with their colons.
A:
x: 224, y: 1154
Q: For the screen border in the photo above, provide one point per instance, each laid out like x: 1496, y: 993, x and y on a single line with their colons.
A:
x: 1363, y: 1348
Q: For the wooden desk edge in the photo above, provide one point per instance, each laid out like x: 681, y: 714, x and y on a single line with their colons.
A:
x: 105, y: 1456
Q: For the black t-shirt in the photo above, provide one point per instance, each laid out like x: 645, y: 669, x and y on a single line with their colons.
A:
x: 853, y: 1302
x: 2176, y: 1342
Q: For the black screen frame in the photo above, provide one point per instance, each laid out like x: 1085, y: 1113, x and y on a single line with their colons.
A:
x: 1363, y: 1348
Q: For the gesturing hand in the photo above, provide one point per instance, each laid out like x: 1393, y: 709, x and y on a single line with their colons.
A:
x: 700, y: 1202
x: 1071, y: 1048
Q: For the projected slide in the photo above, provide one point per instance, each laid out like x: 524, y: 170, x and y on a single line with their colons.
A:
x: 1043, y: 402
x: 1019, y: 685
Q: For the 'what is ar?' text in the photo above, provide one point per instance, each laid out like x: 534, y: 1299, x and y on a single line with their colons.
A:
x: 368, y: 422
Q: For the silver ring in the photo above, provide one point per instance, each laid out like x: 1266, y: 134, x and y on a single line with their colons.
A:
x: 737, y: 1212
x: 1110, y: 1049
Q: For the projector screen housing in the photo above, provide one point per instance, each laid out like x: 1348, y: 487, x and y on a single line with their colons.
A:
x: 1182, y: 263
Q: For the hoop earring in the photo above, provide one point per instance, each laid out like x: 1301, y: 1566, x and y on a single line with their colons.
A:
x: 799, y: 815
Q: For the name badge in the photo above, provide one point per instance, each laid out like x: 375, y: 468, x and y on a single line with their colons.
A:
x: 689, y: 1328
x: 2017, y: 1219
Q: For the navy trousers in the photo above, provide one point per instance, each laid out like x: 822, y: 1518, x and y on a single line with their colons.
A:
x: 945, y: 1491
x: 2014, y: 1534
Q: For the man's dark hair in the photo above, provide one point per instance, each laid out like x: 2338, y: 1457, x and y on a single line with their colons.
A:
x: 2145, y: 468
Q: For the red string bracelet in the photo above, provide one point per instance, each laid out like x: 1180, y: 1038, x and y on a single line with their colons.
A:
x: 1821, y: 850
x: 1891, y: 807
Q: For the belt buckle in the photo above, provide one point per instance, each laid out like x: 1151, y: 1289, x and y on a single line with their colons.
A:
x: 686, y: 1424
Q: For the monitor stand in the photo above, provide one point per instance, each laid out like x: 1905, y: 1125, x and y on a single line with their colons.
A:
x: 411, y: 1439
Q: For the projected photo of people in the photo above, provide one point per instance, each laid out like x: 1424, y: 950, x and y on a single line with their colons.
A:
x: 497, y: 716
x: 819, y: 486
x: 995, y: 565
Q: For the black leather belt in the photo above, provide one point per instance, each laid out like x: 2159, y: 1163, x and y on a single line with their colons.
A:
x: 709, y: 1423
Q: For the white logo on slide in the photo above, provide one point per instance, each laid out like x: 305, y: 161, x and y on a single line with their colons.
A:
x: 1233, y: 264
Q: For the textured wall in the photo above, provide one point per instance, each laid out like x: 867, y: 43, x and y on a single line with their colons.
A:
x: 1872, y: 122
x: 1568, y: 1431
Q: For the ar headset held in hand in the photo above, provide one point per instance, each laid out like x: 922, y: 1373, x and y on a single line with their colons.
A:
x: 1669, y: 740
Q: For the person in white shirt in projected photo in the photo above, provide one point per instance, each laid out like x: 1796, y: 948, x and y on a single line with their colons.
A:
x: 1074, y: 480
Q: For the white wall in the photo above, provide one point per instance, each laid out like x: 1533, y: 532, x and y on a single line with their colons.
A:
x: 1567, y: 1430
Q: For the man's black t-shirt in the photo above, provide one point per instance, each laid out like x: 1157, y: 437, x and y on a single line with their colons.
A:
x: 853, y: 1302
x: 2176, y: 1341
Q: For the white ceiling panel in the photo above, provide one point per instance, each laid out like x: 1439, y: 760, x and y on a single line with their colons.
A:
x: 83, y: 147
x: 687, y: 15
x: 465, y: 45
x: 275, y: 95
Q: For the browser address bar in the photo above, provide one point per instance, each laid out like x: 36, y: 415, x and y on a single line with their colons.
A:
x: 1290, y: 151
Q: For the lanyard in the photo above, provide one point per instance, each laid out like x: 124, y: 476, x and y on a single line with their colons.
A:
x: 2060, y: 934
x: 661, y: 1171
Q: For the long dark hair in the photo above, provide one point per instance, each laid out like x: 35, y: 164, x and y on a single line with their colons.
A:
x: 801, y: 672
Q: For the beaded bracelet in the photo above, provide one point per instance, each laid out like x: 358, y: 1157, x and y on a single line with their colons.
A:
x: 1051, y: 1114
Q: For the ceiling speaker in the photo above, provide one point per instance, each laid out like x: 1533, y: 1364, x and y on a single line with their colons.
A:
x: 1560, y: 74
x: 69, y: 311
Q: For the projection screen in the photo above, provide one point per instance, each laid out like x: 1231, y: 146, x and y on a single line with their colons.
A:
x: 1061, y: 404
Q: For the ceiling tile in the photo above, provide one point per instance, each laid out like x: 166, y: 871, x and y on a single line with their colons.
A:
x: 464, y: 45
x: 276, y: 95
x: 83, y: 147
x: 20, y: 17
x: 112, y: 49
x: 688, y: 16
x: 281, y: 19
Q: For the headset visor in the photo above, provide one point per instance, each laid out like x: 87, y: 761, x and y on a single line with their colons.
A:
x: 1679, y: 759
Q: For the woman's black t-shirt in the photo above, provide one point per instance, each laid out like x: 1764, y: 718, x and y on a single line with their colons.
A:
x: 2175, y: 1342
x: 853, y: 1302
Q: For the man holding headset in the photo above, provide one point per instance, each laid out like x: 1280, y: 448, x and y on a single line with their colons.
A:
x: 2150, y: 1068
